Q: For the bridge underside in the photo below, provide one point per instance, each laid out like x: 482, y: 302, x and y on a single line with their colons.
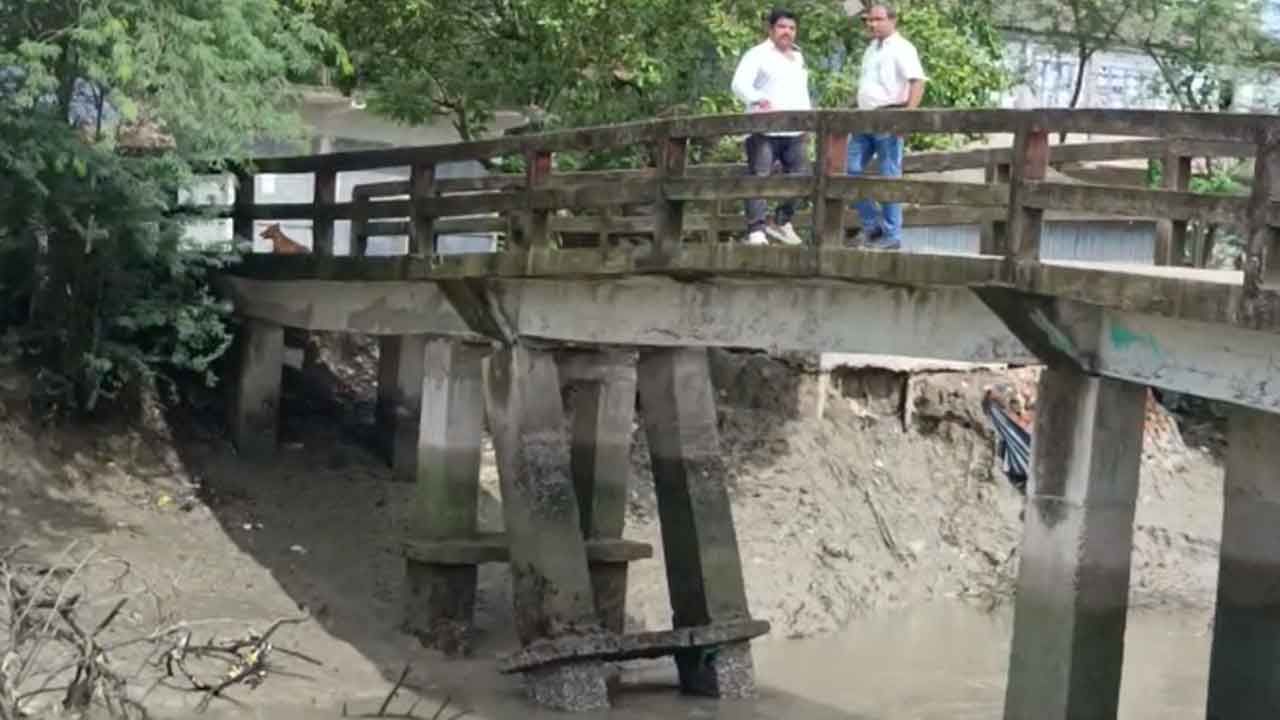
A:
x: 1152, y: 326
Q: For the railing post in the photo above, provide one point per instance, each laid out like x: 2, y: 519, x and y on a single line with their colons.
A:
x: 360, y: 223
x: 1171, y: 235
x: 322, y: 199
x: 828, y: 213
x: 995, y: 233
x: 668, y: 215
x: 713, y: 221
x: 1030, y: 164
x: 606, y: 219
x: 1262, y: 256
x: 422, y: 186
x: 242, y: 216
x: 537, y: 172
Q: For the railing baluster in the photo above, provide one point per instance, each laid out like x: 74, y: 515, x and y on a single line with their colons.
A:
x: 538, y: 225
x: 828, y: 213
x: 422, y: 186
x: 1171, y: 235
x: 322, y: 200
x: 360, y: 224
x: 995, y: 233
x: 606, y: 219
x: 1030, y: 163
x: 713, y: 221
x: 242, y: 215
x: 668, y: 229
x: 1262, y: 258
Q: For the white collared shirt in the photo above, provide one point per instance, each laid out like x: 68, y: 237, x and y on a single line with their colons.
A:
x: 765, y: 73
x: 888, y: 66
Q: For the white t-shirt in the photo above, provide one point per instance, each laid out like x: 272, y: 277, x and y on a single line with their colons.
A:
x: 887, y: 68
x: 765, y: 73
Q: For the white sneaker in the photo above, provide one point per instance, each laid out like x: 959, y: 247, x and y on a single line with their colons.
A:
x: 784, y: 234
x: 756, y: 237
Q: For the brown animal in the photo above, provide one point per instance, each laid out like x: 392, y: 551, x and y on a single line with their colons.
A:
x: 282, y: 244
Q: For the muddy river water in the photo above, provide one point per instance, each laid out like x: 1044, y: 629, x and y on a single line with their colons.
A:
x: 937, y: 662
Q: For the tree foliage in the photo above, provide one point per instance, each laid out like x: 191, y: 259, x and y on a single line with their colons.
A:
x: 106, y: 107
x: 1203, y: 48
x: 583, y: 62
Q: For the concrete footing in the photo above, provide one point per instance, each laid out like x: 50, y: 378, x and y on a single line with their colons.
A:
x: 1244, y: 668
x: 575, y: 687
x: 440, y: 598
x: 704, y: 570
x: 399, y: 406
x: 255, y: 403
x: 1073, y: 579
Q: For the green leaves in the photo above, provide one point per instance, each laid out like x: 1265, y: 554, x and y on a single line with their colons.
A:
x: 586, y: 62
x: 106, y: 106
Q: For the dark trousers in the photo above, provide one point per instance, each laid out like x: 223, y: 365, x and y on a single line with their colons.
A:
x: 762, y: 151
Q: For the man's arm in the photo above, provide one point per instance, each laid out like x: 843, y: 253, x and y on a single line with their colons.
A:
x: 744, y: 79
x: 913, y: 71
x: 915, y: 93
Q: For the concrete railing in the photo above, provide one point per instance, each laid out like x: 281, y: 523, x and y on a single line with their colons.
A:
x: 1011, y: 203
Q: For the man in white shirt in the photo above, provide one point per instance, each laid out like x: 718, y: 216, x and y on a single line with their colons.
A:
x: 772, y: 77
x: 891, y: 77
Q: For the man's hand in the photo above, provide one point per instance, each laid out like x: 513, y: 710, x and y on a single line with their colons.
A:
x: 762, y: 105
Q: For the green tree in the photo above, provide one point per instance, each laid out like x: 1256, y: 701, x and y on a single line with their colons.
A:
x: 1203, y: 48
x: 106, y: 109
x: 582, y: 62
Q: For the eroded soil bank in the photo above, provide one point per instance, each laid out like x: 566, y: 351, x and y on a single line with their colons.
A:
x: 857, y: 495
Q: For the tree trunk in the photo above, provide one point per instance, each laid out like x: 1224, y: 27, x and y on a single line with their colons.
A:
x: 1083, y: 54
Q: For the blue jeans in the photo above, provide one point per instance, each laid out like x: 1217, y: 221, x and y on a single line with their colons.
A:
x: 888, y: 148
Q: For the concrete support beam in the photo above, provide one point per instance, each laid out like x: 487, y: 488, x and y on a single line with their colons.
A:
x: 255, y: 401
x: 1073, y: 578
x: 1208, y: 360
x: 704, y: 569
x: 440, y: 599
x: 1244, y: 672
x: 602, y: 390
x: 550, y: 578
x: 399, y: 407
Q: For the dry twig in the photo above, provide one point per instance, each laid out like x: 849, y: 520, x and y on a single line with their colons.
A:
x: 52, y: 647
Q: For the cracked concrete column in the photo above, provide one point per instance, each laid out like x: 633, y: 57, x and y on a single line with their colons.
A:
x: 1244, y: 666
x: 1073, y: 577
x: 440, y: 599
x: 602, y: 390
x: 551, y: 584
x: 255, y: 401
x: 400, y: 359
x: 704, y: 570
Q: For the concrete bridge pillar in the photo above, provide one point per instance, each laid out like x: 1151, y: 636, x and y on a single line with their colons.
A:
x: 602, y: 393
x: 440, y: 598
x: 400, y: 363
x: 255, y: 402
x: 551, y: 582
x: 704, y: 569
x: 1073, y: 578
x: 1244, y: 668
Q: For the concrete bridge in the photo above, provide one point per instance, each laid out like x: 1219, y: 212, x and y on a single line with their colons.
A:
x: 618, y: 305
